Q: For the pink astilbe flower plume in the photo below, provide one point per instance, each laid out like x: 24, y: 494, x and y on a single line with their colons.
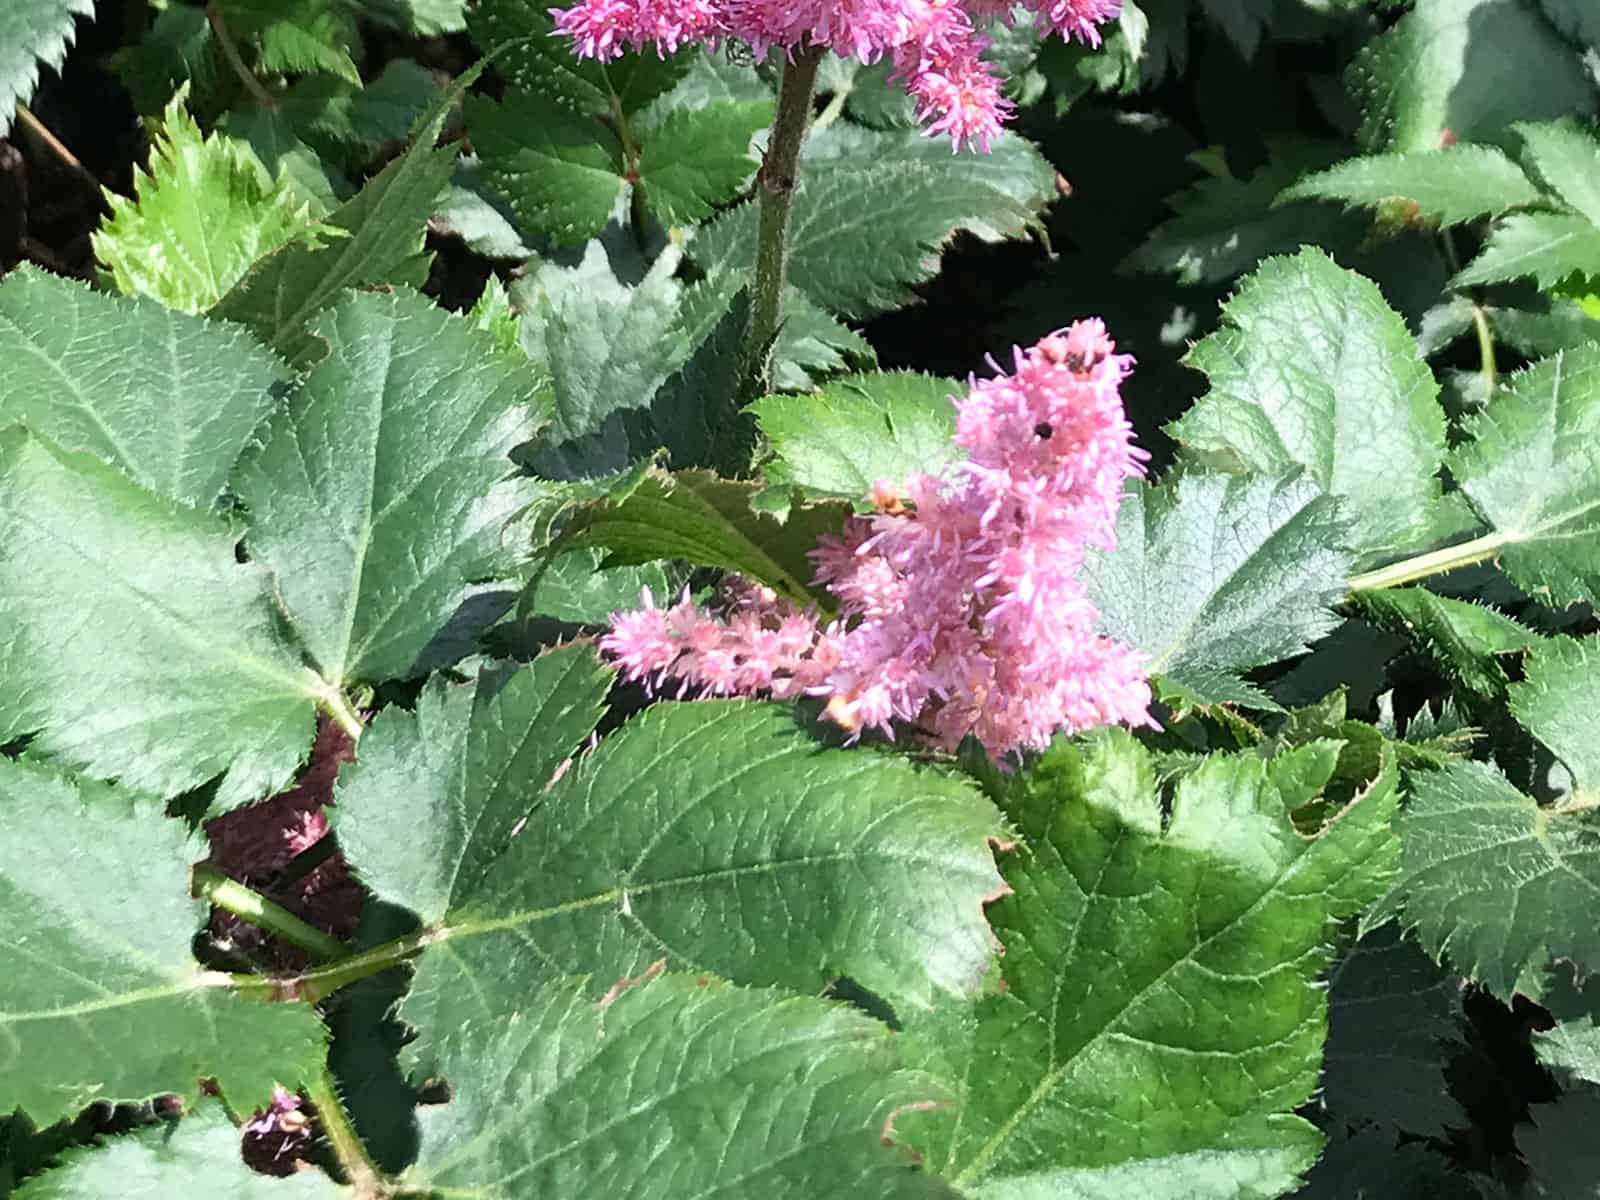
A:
x: 934, y: 45
x: 960, y: 605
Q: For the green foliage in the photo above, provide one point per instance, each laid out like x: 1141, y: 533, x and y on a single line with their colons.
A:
x: 1551, y: 702
x: 104, y: 1001
x: 1309, y: 360
x: 1450, y: 186
x: 1122, y: 923
x: 32, y: 32
x: 203, y: 215
x: 1215, y: 575
x: 1464, y: 640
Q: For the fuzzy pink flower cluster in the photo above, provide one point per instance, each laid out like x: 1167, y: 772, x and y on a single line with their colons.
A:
x: 960, y: 606
x: 934, y: 44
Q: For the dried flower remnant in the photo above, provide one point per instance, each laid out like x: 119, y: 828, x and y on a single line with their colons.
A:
x: 275, y: 1141
x: 961, y: 607
x: 935, y: 45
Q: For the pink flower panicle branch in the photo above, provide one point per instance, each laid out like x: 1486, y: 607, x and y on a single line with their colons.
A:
x: 935, y: 45
x: 961, y: 608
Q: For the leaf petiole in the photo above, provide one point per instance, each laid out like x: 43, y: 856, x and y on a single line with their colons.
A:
x: 1435, y: 562
x: 213, y: 886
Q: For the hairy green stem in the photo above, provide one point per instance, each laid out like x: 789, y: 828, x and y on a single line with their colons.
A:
x: 775, y: 184
x: 216, y: 888
x: 339, y: 710
x: 358, y: 1168
x: 831, y: 110
x: 1488, y: 366
x: 230, y: 51
x: 1435, y: 562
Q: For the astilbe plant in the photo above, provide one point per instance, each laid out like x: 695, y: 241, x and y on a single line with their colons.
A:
x: 960, y: 606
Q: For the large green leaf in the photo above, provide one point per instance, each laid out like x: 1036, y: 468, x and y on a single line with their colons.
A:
x: 1214, y: 575
x: 144, y: 650
x: 856, y: 431
x: 717, y: 834
x: 386, y: 222
x: 1449, y: 186
x: 1555, y: 703
x: 101, y: 998
x: 1530, y: 470
x: 1309, y: 362
x: 31, y: 32
x: 381, y: 490
x: 676, y: 1086
x: 168, y: 398
x: 872, y: 211
x: 197, y: 1156
x: 200, y: 218
x: 1492, y: 882
x: 1160, y: 1017
x: 696, y: 517
x: 1466, y: 69
x: 693, y: 160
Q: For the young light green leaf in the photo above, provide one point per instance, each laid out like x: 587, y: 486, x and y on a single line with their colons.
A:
x: 716, y: 833
x: 560, y: 171
x: 1568, y: 159
x: 1309, y: 363
x: 1214, y: 575
x: 1556, y: 703
x: 381, y: 490
x: 1489, y: 879
x: 1392, y: 1014
x: 147, y: 652
x: 168, y: 398
x: 1548, y: 246
x: 202, y: 215
x: 707, y: 521
x: 856, y: 431
x: 1449, y: 186
x: 1530, y: 470
x: 1467, y: 69
x: 693, y: 161
x: 386, y: 222
x: 102, y: 999
x: 473, y: 761
x: 197, y: 1156
x: 1088, y: 1073
x: 1462, y: 638
x: 755, y: 1092
x: 873, y: 209
x: 32, y: 32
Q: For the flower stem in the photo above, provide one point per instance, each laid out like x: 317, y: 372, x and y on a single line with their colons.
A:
x: 775, y: 184
x: 1485, y: 351
x: 341, y: 1134
x: 1435, y: 562
x: 216, y: 888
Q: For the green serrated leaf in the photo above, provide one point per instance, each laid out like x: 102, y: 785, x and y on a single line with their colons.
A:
x: 560, y: 171
x: 1309, y: 362
x: 1567, y: 158
x: 1088, y: 1074
x: 167, y: 398
x: 1450, y: 186
x: 200, y: 218
x: 296, y: 36
x: 284, y: 157
x: 1486, y: 875
x: 176, y: 50
x: 1467, y: 69
x: 381, y: 490
x: 1530, y: 470
x: 715, y: 833
x: 811, y: 342
x: 386, y: 222
x: 608, y: 347
x: 856, y: 431
x: 573, y: 587
x: 707, y: 521
x: 197, y: 1156
x: 1555, y: 703
x: 102, y: 999
x: 1550, y: 247
x: 693, y: 161
x: 787, y: 1097
x: 1214, y: 575
x: 32, y: 32
x: 1392, y: 1016
x: 873, y: 209
x: 145, y: 652
x: 1463, y: 639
